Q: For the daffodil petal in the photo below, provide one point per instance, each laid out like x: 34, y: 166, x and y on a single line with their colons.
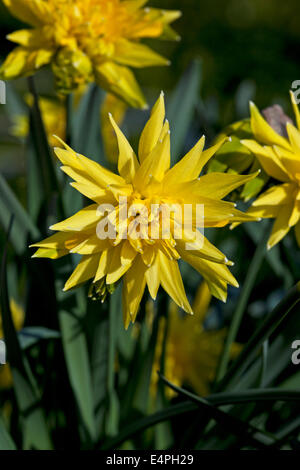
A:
x: 136, y: 54
x: 276, y: 195
x: 281, y: 226
x: 31, y: 12
x: 153, y: 278
x: 268, y: 160
x: 262, y: 131
x: 116, y: 268
x: 152, y: 130
x: 84, y: 271
x: 189, y: 167
x: 127, y: 162
x: 134, y: 286
x: 171, y: 281
x: 82, y: 220
x: 120, y: 81
x: 220, y: 185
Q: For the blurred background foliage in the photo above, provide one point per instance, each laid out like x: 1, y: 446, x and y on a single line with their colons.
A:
x: 79, y: 379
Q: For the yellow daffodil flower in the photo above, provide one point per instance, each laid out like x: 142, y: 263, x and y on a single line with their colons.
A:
x: 123, y: 234
x: 279, y: 156
x: 192, y: 352
x: 18, y: 319
x: 88, y: 40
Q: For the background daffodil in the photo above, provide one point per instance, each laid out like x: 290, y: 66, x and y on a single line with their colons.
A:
x: 280, y: 159
x: 88, y: 40
x: 145, y: 261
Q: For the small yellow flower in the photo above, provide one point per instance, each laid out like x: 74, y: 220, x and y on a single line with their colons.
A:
x: 192, y: 352
x: 18, y: 319
x: 88, y: 40
x: 279, y: 156
x: 54, y: 118
x: 124, y: 234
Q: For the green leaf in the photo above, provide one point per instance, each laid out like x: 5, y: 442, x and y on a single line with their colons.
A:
x: 181, y: 107
x: 23, y: 225
x: 6, y: 442
x: 15, y: 105
x: 85, y: 128
x: 77, y: 359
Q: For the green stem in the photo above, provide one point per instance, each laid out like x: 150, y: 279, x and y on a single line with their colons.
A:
x: 243, y: 301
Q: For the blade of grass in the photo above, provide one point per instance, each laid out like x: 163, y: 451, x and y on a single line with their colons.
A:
x: 140, y: 425
x: 250, y: 434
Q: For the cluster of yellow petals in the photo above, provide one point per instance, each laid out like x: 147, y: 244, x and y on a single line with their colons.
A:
x: 88, y: 40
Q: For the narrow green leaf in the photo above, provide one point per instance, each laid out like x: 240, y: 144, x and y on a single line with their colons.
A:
x: 76, y: 355
x: 6, y: 442
x: 113, y: 411
x: 86, y: 136
x: 23, y: 225
x: 35, y: 432
x: 15, y: 105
